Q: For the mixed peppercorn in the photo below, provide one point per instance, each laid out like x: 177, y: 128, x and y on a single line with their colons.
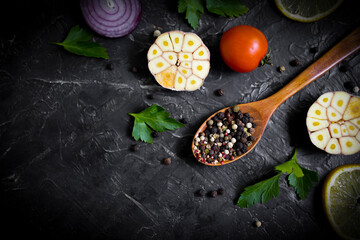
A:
x: 227, y: 135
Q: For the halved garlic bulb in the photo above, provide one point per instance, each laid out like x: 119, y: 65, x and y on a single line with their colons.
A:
x: 333, y: 122
x: 179, y: 61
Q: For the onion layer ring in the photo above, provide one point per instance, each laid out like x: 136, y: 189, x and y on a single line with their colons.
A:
x: 111, y: 18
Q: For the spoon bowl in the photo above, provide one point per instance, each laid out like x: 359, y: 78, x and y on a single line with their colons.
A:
x: 262, y: 110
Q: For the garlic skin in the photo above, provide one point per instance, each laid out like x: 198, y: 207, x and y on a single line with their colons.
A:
x: 333, y: 123
x: 179, y: 61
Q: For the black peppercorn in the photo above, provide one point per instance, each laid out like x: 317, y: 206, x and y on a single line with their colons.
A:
x: 134, y: 69
x: 154, y: 134
x: 351, y: 86
x: 150, y: 96
x: 245, y: 119
x: 295, y: 62
x: 220, y: 92
x: 183, y: 121
x: 238, y: 145
x: 214, y: 130
x: 201, y: 192
x: 220, y: 115
x: 221, y: 191
x: 250, y: 138
x: 254, y: 125
x: 314, y: 50
x: 135, y: 147
x: 244, y: 149
x: 213, y: 194
x: 344, y: 67
x: 110, y: 66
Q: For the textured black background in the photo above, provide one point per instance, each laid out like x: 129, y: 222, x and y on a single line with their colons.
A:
x: 65, y: 133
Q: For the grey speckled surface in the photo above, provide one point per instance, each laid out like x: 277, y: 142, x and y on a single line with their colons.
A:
x: 65, y: 133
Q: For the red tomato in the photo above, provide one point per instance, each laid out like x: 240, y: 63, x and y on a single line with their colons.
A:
x: 242, y: 47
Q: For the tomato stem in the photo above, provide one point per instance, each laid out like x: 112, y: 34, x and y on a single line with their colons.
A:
x: 266, y: 59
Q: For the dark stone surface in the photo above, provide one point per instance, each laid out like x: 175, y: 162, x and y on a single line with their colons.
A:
x: 67, y: 168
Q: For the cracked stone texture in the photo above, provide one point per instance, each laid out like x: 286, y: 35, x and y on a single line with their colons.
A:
x: 65, y: 134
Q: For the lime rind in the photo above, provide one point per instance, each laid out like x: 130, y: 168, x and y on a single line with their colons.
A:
x: 307, y: 10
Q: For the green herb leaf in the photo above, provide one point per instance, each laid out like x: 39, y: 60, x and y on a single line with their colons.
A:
x: 291, y: 166
x: 300, y: 178
x: 155, y: 117
x: 141, y: 131
x: 78, y: 42
x: 260, y: 192
x: 302, y: 185
x: 226, y: 8
x: 193, y: 8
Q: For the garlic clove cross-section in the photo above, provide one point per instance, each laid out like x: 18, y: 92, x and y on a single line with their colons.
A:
x: 179, y: 61
x: 333, y: 123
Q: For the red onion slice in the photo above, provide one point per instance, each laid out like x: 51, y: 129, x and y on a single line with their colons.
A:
x: 111, y: 18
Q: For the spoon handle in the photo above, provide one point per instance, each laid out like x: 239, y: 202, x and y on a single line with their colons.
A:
x: 339, y: 52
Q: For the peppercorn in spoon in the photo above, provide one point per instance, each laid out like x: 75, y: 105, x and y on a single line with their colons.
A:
x: 231, y: 136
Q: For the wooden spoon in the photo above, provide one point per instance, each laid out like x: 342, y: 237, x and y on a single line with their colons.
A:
x: 262, y: 110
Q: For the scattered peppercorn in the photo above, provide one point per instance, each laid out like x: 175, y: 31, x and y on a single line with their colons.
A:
x: 258, y: 224
x: 281, y: 69
x: 352, y: 86
x: 154, y: 134
x: 220, y: 92
x: 135, y: 147
x: 167, y: 161
x: 156, y: 33
x: 134, y: 69
x: 110, y: 66
x: 201, y: 192
x: 213, y: 193
x: 295, y: 62
x: 150, y: 96
x: 356, y: 89
x: 314, y: 50
x: 183, y: 120
x: 221, y: 191
x: 344, y: 67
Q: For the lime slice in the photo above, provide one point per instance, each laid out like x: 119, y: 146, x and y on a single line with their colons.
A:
x: 307, y: 10
x: 341, y: 199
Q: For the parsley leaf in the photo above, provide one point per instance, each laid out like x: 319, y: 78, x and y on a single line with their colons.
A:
x: 193, y: 8
x: 302, y: 185
x: 78, y: 42
x: 300, y: 178
x: 226, y: 8
x: 154, y: 117
x: 291, y: 166
x: 260, y: 192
